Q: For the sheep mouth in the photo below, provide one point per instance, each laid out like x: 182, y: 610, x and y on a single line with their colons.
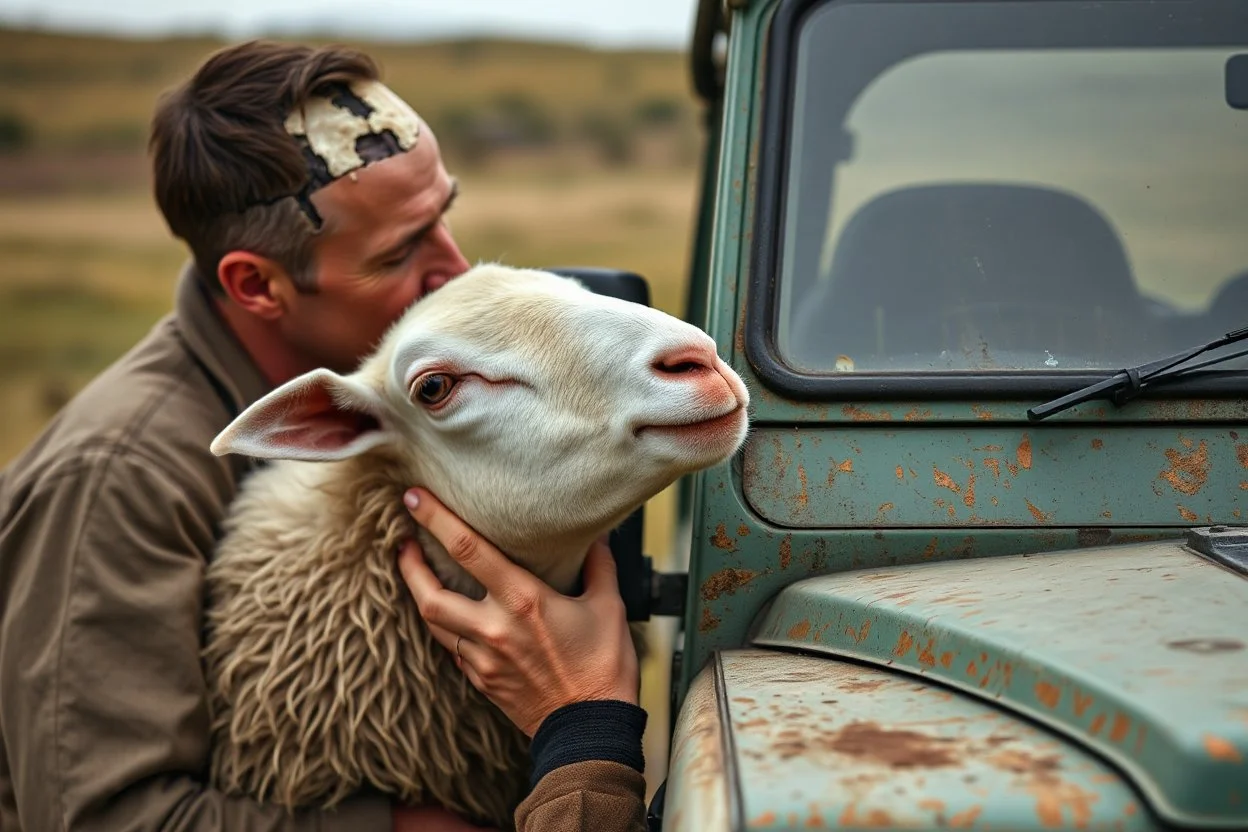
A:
x: 716, y: 424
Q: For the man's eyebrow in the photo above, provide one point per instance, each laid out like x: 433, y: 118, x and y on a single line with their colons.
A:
x: 417, y: 235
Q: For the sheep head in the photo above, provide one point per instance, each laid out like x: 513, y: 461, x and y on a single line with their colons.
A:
x: 540, y: 412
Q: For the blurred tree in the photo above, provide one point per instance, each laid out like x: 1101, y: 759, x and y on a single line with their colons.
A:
x: 611, y: 135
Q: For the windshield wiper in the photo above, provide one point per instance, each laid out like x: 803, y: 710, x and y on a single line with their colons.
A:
x: 1127, y: 384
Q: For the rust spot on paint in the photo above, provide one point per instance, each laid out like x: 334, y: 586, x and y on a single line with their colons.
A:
x: 1222, y: 750
x: 915, y: 415
x: 926, y: 657
x: 1082, y: 703
x: 945, y: 481
x: 965, y: 820
x: 863, y: 686
x: 1188, y: 472
x: 1023, y: 454
x: 1050, y: 696
x: 1055, y: 798
x: 743, y: 530
x: 1187, y: 514
x: 874, y: 818
x: 904, y: 643
x: 1121, y: 727
x: 946, y: 660
x: 803, y: 499
x: 726, y: 580
x: 1241, y: 451
x: 859, y: 415
x: 972, y: 669
x: 993, y: 465
x: 981, y: 413
x: 901, y: 474
x: 886, y: 507
x: 765, y: 819
x: 721, y: 540
x: 786, y: 551
x: 932, y: 804
x: 799, y: 630
x: 1041, y: 517
x: 929, y: 551
x: 969, y: 496
x: 846, y: 467
x: 1097, y: 724
x: 709, y: 622
x: 896, y: 749
x: 815, y: 821
x: 1097, y: 444
x: 859, y: 636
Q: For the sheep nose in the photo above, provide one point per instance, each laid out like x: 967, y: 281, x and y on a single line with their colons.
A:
x: 684, y: 361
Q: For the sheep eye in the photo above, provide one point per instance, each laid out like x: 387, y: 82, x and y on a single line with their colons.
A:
x: 435, y: 387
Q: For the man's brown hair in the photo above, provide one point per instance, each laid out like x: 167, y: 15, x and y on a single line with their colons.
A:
x: 223, y: 163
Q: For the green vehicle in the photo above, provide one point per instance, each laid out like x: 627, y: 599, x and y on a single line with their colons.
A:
x: 981, y: 562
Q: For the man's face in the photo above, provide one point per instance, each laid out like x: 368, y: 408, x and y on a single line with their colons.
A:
x: 385, y: 244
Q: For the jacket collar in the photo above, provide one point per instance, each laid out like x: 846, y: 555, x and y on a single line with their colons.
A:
x: 237, y: 379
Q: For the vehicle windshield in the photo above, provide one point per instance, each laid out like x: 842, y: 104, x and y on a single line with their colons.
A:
x: 988, y: 186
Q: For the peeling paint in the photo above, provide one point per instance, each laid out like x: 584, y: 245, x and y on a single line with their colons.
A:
x: 743, y: 530
x: 1050, y: 696
x: 721, y: 540
x: 1222, y: 750
x: 969, y: 497
x: 904, y: 643
x: 1188, y: 472
x: 726, y: 581
x: 1041, y: 517
x: 709, y: 622
x: 994, y: 465
x: 1188, y: 515
x: 1241, y: 451
x: 1023, y: 454
x: 800, y: 629
x: 945, y: 481
x: 786, y: 551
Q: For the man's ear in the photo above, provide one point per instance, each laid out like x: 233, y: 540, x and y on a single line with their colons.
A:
x: 255, y: 283
x: 319, y: 416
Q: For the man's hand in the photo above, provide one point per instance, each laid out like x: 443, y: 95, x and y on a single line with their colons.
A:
x: 528, y: 648
x: 430, y: 819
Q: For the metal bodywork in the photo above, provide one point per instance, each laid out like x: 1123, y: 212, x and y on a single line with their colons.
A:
x: 866, y: 557
x: 769, y: 740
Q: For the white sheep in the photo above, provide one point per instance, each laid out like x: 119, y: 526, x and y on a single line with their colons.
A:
x: 543, y: 415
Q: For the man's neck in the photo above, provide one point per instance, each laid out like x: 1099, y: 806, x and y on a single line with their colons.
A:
x: 271, y: 354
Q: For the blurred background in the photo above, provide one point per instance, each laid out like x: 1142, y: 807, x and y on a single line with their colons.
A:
x: 571, y: 127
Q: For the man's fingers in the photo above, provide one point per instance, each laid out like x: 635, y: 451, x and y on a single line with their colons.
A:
x: 472, y: 551
x: 599, y: 571
x: 438, y: 606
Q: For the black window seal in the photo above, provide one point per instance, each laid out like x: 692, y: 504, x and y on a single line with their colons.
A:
x: 761, y: 350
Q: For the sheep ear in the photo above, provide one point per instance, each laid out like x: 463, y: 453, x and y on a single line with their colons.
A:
x: 319, y: 416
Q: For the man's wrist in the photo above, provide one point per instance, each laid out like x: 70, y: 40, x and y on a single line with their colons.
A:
x: 604, y: 729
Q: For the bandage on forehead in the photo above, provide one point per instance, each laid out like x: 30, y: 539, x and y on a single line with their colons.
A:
x: 349, y: 127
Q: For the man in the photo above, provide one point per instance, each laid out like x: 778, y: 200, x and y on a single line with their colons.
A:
x: 313, y: 202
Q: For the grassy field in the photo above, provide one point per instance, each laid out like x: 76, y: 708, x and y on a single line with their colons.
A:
x: 87, y: 266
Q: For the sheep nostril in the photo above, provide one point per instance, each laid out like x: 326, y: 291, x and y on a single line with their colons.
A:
x: 687, y: 360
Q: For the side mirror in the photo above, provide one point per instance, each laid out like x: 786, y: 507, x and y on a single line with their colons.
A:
x: 633, y: 567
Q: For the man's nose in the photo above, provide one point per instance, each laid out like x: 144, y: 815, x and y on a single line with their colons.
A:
x: 452, y: 260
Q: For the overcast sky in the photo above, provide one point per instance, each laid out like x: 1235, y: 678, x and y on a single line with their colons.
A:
x: 606, y: 22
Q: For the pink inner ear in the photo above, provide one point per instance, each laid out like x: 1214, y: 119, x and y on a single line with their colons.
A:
x: 316, y: 422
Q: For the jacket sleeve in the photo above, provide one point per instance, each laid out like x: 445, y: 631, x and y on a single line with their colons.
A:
x: 103, y: 702
x: 587, y: 771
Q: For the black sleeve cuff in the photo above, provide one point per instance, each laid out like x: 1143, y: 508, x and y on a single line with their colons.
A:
x: 607, y: 730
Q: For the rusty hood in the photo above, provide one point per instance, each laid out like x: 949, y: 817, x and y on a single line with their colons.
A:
x: 1135, y: 654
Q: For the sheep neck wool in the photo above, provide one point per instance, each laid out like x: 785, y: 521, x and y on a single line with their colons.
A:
x: 352, y: 126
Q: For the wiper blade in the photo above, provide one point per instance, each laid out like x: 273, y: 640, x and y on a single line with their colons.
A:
x: 1127, y: 384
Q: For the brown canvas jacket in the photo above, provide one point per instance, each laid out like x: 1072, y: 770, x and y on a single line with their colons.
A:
x: 106, y: 524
